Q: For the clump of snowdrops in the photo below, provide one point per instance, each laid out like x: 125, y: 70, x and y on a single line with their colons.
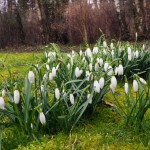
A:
x: 62, y: 88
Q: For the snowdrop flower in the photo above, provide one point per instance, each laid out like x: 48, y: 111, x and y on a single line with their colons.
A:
x: 80, y: 53
x: 53, y: 72
x: 112, y: 46
x: 112, y: 88
x: 52, y: 56
x: 2, y: 103
x: 48, y: 60
x: 78, y: 72
x: 120, y: 70
x: 45, y: 77
x: 104, y: 43
x: 129, y: 57
x: 104, y: 52
x: 42, y: 88
x: 90, y: 67
x: 126, y: 88
x: 68, y: 66
x: 142, y: 81
x: 106, y: 65
x: 71, y: 97
x: 137, y: 54
x: 42, y: 118
x: 110, y: 71
x: 57, y: 67
x: 16, y: 96
x: 113, y: 82
x: 95, y: 50
x: 96, y: 87
x: 73, y: 54
x: 87, y: 74
x: 31, y: 125
x: 101, y: 82
x: 31, y: 77
x: 96, y: 66
x: 88, y: 96
x: 47, y: 67
x: 50, y: 77
x: 135, y: 86
x: 88, y: 52
x: 57, y: 93
x: 129, y: 51
x: 112, y: 53
x: 3, y: 93
x: 116, y: 70
x: 101, y: 62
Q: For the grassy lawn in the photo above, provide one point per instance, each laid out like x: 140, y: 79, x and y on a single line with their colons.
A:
x: 103, y: 130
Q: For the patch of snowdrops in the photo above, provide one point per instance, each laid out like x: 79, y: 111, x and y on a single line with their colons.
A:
x: 78, y: 81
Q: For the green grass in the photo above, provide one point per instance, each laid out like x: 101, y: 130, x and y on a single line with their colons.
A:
x: 104, y: 130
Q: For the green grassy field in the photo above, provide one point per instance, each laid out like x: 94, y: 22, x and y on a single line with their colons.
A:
x: 104, y: 130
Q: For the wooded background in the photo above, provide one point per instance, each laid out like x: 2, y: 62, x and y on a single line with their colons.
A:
x: 72, y: 21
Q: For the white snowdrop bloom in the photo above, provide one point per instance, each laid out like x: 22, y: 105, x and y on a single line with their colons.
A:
x: 50, y: 77
x: 129, y: 51
x: 137, y: 54
x: 80, y: 53
x: 112, y: 46
x: 104, y: 43
x: 95, y: 50
x: 101, y: 62
x: 96, y: 87
x: 88, y: 96
x: 57, y: 67
x: 96, y: 66
x: 113, y: 81
x: 16, y: 96
x: 104, y: 52
x: 143, y: 47
x: 31, y: 77
x: 45, y: 77
x: 120, y: 70
x: 3, y: 93
x: 47, y: 66
x: 101, y: 82
x: 48, y: 60
x: 135, y: 86
x: 126, y: 88
x: 129, y: 57
x: 90, y: 67
x: 42, y: 88
x: 106, y: 65
x: 73, y: 54
x: 87, y: 74
x: 88, y: 52
x: 52, y: 56
x: 112, y: 53
x: 57, y: 93
x: 42, y: 118
x: 78, y: 72
x: 71, y: 97
x: 116, y: 70
x: 68, y: 66
x: 31, y: 125
x: 112, y: 88
x: 2, y: 103
x: 53, y: 71
x: 142, y: 81
x: 110, y: 71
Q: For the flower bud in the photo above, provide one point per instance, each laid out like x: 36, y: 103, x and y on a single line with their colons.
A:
x: 50, y: 77
x: 31, y: 77
x: 57, y: 93
x: 96, y: 87
x: 142, y: 81
x: 42, y: 118
x: 2, y: 103
x: 106, y: 65
x: 126, y: 88
x: 113, y: 82
x: 71, y: 99
x: 135, y: 86
x: 101, y: 82
x: 16, y: 96
x: 120, y: 70
x: 95, y: 50
x: 53, y: 72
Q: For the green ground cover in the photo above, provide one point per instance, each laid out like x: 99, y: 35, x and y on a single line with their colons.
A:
x: 104, y: 130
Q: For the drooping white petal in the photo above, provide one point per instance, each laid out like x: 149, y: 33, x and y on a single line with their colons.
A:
x: 31, y: 77
x: 2, y: 103
x: 135, y: 86
x: 50, y: 77
x: 42, y: 118
x: 71, y: 97
x: 95, y: 50
x: 101, y: 82
x: 110, y: 71
x: 126, y: 88
x: 142, y: 81
x: 113, y: 81
x: 96, y: 87
x: 106, y: 65
x: 53, y: 72
x: 57, y: 93
x: 120, y: 70
x: 16, y: 96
